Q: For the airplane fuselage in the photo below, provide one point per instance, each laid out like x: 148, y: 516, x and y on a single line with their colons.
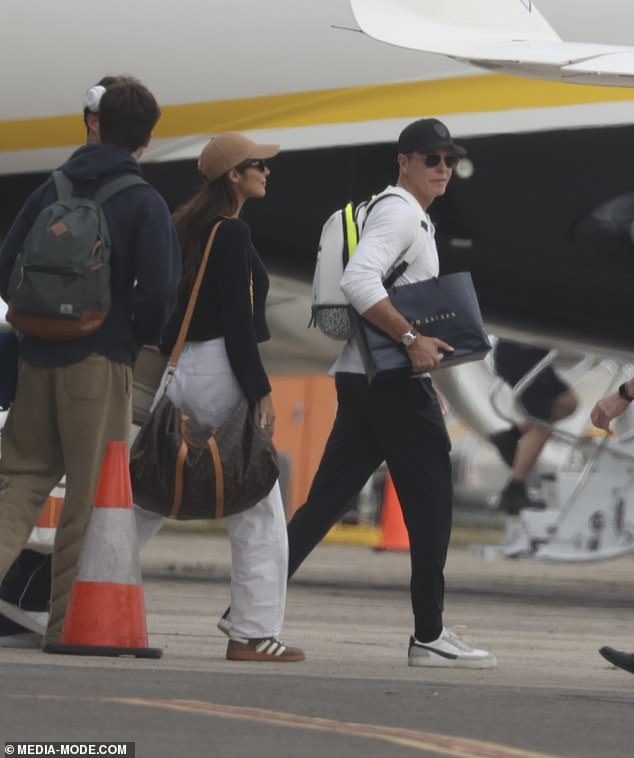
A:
x: 540, y: 214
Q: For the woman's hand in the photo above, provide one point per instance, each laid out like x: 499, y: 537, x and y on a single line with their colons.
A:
x: 266, y: 414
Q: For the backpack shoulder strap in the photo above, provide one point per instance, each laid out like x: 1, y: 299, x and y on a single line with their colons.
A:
x: 63, y: 185
x: 407, y: 255
x: 114, y: 186
x: 378, y: 198
x: 403, y: 261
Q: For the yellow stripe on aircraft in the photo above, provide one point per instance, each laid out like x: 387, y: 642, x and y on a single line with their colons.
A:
x: 473, y: 94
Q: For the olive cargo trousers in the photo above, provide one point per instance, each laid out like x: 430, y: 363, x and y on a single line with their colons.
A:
x: 59, y: 424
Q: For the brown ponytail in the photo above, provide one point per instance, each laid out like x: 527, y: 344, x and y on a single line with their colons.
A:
x: 192, y: 220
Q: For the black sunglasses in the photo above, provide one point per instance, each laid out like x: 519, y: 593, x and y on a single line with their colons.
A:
x: 433, y: 159
x: 257, y: 163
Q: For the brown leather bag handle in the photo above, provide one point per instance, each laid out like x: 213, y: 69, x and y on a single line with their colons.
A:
x: 191, y: 304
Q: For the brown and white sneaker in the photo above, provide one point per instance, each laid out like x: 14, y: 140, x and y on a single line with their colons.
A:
x: 263, y: 649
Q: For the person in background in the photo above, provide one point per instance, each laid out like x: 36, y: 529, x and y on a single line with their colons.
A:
x: 548, y: 399
x: 605, y: 410
x: 220, y: 364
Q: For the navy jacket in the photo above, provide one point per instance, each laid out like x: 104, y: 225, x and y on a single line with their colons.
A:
x: 145, y: 261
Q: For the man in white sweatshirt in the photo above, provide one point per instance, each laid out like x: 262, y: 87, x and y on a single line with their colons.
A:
x: 397, y: 420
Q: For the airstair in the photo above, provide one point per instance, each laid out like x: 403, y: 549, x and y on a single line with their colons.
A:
x: 587, y: 476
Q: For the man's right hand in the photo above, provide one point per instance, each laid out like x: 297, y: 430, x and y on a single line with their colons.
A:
x: 425, y: 355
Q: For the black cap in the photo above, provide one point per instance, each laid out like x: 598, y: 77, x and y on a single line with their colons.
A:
x: 425, y: 135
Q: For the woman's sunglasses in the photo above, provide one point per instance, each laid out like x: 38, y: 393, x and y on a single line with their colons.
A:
x: 256, y: 163
x: 433, y: 159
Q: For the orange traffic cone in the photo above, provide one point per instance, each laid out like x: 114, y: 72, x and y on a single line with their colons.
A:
x: 42, y: 537
x: 393, y: 530
x: 106, y: 611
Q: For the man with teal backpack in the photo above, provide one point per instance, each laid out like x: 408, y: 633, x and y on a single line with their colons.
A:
x: 74, y: 389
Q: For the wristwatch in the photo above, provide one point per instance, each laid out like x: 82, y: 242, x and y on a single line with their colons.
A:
x: 409, y: 338
x: 624, y: 392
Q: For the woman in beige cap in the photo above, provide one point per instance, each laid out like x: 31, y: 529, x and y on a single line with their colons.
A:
x: 219, y: 365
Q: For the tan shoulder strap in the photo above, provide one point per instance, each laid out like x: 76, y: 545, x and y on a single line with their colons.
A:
x: 191, y: 304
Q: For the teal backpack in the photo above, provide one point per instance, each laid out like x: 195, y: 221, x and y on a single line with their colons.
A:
x: 59, y: 287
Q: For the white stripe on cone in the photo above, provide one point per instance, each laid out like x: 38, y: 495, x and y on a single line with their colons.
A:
x: 110, y: 552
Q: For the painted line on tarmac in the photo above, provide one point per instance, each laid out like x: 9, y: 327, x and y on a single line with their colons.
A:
x: 439, y: 744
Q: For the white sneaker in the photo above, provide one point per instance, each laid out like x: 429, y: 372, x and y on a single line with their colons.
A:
x: 448, y: 651
x: 36, y: 621
x: 516, y: 540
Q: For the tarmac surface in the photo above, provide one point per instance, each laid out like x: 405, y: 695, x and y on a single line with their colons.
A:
x: 348, y: 608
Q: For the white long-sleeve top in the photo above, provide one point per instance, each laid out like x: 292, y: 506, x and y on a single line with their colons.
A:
x: 391, y: 227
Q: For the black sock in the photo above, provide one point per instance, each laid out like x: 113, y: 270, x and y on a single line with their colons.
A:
x: 515, y: 486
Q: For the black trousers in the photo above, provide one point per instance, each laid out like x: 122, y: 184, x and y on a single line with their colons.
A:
x: 398, y: 421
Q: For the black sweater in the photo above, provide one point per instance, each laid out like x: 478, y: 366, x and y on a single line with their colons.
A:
x: 224, y: 306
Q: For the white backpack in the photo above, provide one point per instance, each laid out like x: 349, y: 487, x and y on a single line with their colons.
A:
x: 339, y: 239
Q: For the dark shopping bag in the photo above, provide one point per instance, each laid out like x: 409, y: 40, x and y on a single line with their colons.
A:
x: 445, y: 307
x: 8, y: 368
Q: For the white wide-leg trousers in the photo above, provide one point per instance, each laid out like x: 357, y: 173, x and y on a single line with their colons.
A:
x: 205, y: 388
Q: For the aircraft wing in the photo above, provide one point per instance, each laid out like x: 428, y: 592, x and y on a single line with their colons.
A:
x: 507, y: 36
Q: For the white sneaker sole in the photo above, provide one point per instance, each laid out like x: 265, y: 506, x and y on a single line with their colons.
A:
x: 437, y: 661
x: 33, y: 620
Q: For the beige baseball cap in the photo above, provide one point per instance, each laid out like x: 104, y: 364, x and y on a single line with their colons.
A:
x: 228, y: 150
